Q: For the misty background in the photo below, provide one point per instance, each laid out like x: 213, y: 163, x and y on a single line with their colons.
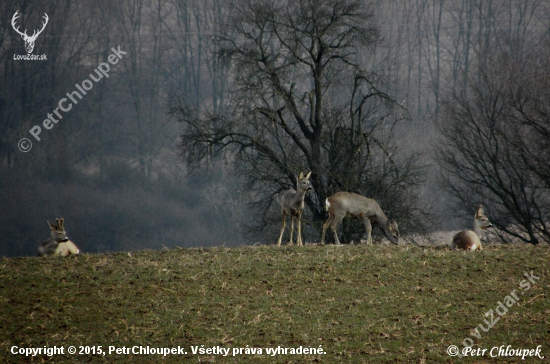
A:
x: 115, y: 166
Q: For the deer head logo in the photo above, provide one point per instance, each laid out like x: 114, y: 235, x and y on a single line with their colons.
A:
x: 29, y: 41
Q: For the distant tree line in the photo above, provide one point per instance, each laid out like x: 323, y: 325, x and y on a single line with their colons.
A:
x: 349, y: 91
x: 304, y: 99
x: 496, y: 143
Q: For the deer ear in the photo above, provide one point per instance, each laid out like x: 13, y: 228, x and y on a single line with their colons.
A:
x: 61, y: 223
x: 309, y: 174
x: 301, y: 175
x: 52, y: 225
x: 479, y: 211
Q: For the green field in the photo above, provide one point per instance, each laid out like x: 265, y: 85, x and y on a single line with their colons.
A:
x: 360, y: 304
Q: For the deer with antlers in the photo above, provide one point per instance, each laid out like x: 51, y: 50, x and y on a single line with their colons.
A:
x: 58, y: 243
x: 29, y: 41
x: 292, y: 203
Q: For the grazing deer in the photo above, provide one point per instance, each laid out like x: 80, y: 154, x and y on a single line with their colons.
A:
x: 471, y: 240
x: 352, y: 205
x: 292, y: 203
x: 58, y: 243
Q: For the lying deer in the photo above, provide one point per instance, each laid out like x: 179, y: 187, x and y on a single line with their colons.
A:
x: 471, y: 240
x: 352, y: 205
x: 58, y: 243
x: 292, y: 203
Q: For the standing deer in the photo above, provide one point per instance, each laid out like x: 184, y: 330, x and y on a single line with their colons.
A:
x: 292, y: 203
x: 29, y: 41
x: 471, y: 240
x: 352, y: 205
x: 58, y: 243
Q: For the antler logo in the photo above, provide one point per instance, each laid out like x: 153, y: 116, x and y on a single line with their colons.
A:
x: 29, y: 41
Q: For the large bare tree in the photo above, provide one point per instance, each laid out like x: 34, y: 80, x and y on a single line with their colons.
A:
x: 495, y: 146
x: 304, y: 100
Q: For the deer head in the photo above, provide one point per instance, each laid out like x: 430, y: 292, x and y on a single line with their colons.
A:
x: 58, y: 231
x: 29, y: 41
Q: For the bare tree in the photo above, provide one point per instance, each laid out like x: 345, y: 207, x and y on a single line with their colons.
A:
x: 303, y: 100
x: 495, y: 147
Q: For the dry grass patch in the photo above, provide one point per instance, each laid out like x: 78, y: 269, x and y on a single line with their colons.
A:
x: 360, y: 303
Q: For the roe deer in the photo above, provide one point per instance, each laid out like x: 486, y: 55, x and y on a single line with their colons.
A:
x: 352, y: 205
x: 58, y: 243
x: 471, y: 240
x: 292, y: 203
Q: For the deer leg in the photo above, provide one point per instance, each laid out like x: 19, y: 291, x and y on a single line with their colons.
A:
x: 325, y: 227
x: 291, y: 228
x: 368, y: 227
x: 73, y: 249
x: 282, y: 229
x: 299, y: 222
x: 334, y: 228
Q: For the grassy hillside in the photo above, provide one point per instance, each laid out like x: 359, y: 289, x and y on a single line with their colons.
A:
x: 361, y: 304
